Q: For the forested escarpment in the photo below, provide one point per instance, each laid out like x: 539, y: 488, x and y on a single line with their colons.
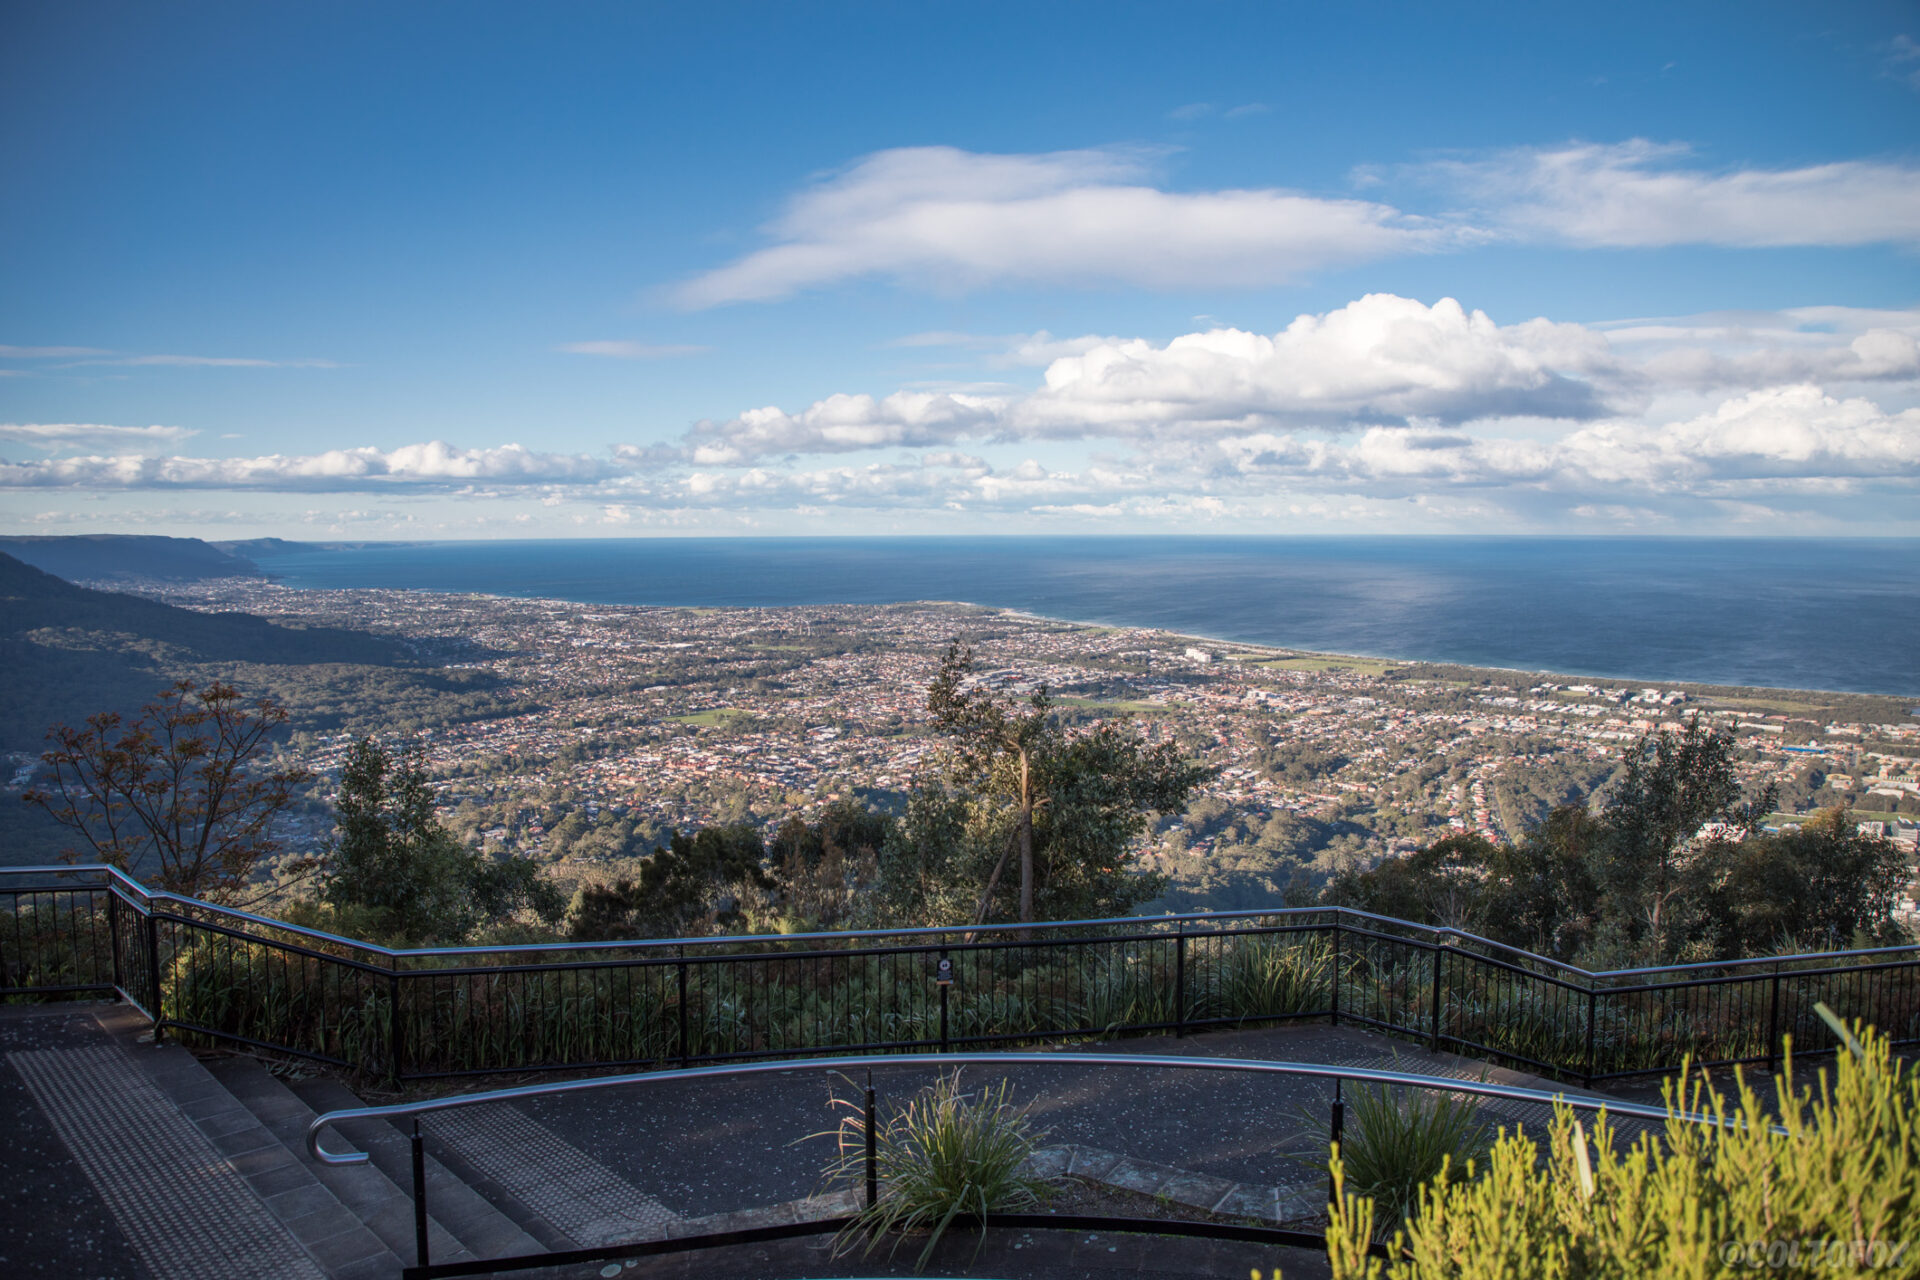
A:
x: 71, y: 652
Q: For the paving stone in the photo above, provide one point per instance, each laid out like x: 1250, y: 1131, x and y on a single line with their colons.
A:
x: 1137, y: 1175
x: 1245, y: 1201
x: 1195, y: 1189
x: 1092, y: 1162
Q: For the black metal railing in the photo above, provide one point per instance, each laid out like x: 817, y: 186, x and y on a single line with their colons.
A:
x: 424, y: 1268
x: 235, y: 977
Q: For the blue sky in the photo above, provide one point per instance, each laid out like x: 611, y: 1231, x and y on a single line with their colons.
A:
x: 480, y: 271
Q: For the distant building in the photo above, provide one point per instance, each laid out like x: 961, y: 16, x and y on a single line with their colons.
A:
x: 1197, y: 654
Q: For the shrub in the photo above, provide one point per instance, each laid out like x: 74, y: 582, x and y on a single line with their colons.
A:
x: 1837, y: 1187
x: 1397, y: 1141
x: 1265, y: 977
x: 945, y: 1155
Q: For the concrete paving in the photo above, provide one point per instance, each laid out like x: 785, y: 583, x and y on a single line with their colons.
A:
x: 709, y: 1146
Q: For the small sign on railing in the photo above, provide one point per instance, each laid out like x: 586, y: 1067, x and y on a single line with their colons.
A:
x: 943, y: 973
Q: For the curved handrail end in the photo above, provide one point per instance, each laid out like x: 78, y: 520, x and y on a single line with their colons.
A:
x: 323, y: 1155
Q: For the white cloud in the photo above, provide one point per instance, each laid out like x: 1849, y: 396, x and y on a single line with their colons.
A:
x: 845, y: 423
x: 1781, y: 438
x: 1640, y: 194
x: 956, y: 220
x: 54, y: 437
x: 620, y: 350
x: 1384, y: 400
x: 433, y: 464
x: 1379, y: 359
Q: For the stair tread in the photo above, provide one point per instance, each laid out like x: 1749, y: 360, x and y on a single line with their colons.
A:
x: 469, y: 1215
x: 366, y: 1190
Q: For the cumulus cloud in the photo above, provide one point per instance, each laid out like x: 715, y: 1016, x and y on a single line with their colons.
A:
x: 846, y: 423
x: 1386, y: 399
x: 53, y: 437
x: 958, y: 220
x: 1379, y: 359
x: 1642, y: 194
x: 1756, y: 349
x: 433, y: 464
x: 1785, y: 437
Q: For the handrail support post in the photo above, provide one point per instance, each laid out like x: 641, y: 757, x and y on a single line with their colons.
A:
x: 419, y: 1194
x: 153, y: 976
x: 873, y: 1162
x: 1773, y: 1022
x: 1180, y: 981
x: 1439, y: 960
x: 1335, y: 1129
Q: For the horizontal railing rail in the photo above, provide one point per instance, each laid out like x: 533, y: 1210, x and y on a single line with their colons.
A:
x: 1340, y: 1075
x: 428, y: 1013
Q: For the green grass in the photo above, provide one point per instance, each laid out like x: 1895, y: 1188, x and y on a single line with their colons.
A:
x: 712, y: 717
x: 1328, y: 664
x: 1110, y: 705
x: 1856, y: 815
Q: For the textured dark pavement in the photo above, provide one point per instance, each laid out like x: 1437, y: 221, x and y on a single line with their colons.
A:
x: 52, y: 1221
x: 710, y: 1146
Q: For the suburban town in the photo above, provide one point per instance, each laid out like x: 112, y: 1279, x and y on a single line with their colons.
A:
x: 643, y: 720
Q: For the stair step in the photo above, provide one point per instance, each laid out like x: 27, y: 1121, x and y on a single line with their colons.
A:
x: 365, y: 1189
x: 257, y: 1211
x: 470, y: 1217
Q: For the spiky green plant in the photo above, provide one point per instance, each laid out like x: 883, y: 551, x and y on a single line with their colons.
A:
x: 1836, y: 1187
x: 1265, y: 977
x: 1396, y: 1141
x: 946, y: 1154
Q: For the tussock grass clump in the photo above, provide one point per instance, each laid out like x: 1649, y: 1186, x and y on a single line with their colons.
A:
x: 1397, y: 1141
x: 1271, y: 977
x: 946, y: 1154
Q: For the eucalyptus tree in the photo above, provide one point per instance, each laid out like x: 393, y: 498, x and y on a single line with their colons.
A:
x: 1063, y: 807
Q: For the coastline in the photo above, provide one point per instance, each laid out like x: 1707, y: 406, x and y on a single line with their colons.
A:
x: 1267, y: 649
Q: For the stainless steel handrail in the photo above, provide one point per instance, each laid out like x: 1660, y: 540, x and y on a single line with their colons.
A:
x: 939, y: 931
x: 1310, y: 1069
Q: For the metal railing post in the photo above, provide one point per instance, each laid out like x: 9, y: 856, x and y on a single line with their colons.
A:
x: 1334, y: 1132
x: 419, y: 1195
x: 873, y: 1162
x: 113, y: 938
x: 1773, y: 1022
x: 685, y: 1053
x: 394, y: 1061
x: 1593, y: 1017
x: 1439, y: 960
x: 1180, y: 982
x: 1334, y: 978
x: 153, y: 975
x: 944, y: 985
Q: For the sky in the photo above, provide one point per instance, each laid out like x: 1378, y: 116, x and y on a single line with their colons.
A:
x: 435, y: 270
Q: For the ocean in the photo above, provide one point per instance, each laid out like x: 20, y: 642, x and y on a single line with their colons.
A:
x: 1836, y: 614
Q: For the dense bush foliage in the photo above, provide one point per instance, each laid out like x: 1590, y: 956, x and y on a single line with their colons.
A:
x: 1672, y: 868
x: 1837, y: 1189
